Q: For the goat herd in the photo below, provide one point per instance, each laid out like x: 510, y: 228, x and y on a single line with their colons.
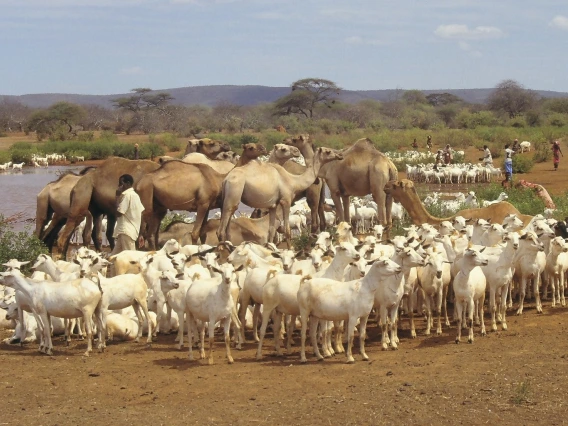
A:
x: 333, y: 290
x: 37, y: 161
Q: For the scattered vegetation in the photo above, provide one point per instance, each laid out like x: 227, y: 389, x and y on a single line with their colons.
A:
x: 521, y: 393
x: 23, y: 245
x: 172, y: 217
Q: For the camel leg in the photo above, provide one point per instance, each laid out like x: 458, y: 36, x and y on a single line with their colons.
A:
x: 200, y: 221
x: 335, y: 196
x: 156, y: 228
x: 111, y: 221
x: 346, y: 203
x: 321, y: 212
x: 93, y: 227
x: 271, y: 224
x: 286, y: 213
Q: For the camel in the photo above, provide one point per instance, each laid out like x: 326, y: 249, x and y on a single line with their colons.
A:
x: 177, y: 185
x: 96, y: 192
x: 53, y: 204
x: 363, y: 170
x: 230, y: 156
x: 267, y: 185
x: 404, y: 192
x: 206, y: 146
x: 241, y: 229
x: 315, y: 192
x: 250, y: 151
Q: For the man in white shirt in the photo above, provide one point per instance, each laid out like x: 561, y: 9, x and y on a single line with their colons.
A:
x: 487, y: 157
x: 129, y: 210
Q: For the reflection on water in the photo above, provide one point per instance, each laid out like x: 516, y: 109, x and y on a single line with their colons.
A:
x: 18, y: 190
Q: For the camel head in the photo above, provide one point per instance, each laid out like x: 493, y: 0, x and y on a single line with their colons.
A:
x: 394, y: 187
x: 283, y: 151
x: 230, y: 156
x: 211, y: 148
x: 327, y: 154
x: 253, y: 150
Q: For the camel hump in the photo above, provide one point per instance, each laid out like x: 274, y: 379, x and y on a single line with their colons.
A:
x: 360, y: 146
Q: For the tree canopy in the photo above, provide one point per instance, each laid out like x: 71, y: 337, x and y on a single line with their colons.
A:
x: 512, y: 98
x: 306, y: 95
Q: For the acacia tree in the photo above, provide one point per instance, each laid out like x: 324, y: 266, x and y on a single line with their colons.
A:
x: 60, y: 118
x: 306, y: 95
x: 141, y: 105
x: 512, y: 98
x: 13, y: 115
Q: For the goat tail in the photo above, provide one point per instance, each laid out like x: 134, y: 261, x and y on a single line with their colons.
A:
x: 305, y: 278
x: 271, y: 273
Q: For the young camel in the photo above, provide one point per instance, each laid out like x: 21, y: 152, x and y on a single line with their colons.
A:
x: 267, y: 185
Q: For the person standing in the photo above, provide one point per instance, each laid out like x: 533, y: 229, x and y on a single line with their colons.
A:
x: 129, y: 210
x: 447, y: 154
x: 429, y: 143
x: 556, y: 153
x: 508, y: 166
x: 487, y: 157
x: 415, y: 144
x: 136, y: 153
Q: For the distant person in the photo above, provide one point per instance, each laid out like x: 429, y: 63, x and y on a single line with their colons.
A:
x: 129, y: 210
x: 429, y: 143
x: 439, y: 157
x: 136, y: 153
x: 508, y: 164
x: 448, y: 154
x: 415, y: 144
x: 487, y: 157
x: 516, y: 145
x: 556, y: 153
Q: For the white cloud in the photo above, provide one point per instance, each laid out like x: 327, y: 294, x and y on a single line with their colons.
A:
x: 560, y: 22
x: 132, y: 71
x: 462, y: 32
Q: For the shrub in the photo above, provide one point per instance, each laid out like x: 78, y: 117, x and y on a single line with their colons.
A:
x: 86, y: 137
x: 5, y: 157
x: 542, y: 154
x: 271, y: 138
x: 247, y: 138
x: 21, y: 146
x: 22, y: 245
x: 522, y: 164
x: 171, y: 141
x: 557, y: 120
x: 150, y: 150
x: 71, y: 156
x: 20, y: 155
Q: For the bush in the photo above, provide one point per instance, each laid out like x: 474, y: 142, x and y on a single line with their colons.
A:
x: 22, y: 156
x: 22, y: 245
x: 247, y: 138
x: 542, y: 154
x: 171, y: 217
x: 86, y: 137
x: 522, y: 164
x: 150, y: 150
x: 21, y: 146
x: 171, y: 142
x: 557, y: 120
x: 5, y: 157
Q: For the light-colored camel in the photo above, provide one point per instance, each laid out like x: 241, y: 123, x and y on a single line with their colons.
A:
x: 315, y: 192
x: 96, y: 192
x: 230, y: 156
x: 53, y: 203
x: 267, y: 185
x: 206, y: 146
x: 363, y: 170
x: 404, y: 192
x: 177, y: 185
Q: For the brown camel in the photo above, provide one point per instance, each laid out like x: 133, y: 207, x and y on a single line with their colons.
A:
x: 363, y: 170
x: 206, y: 146
x: 315, y: 193
x: 267, y: 185
x: 53, y: 203
x: 177, y: 185
x: 404, y: 192
x: 96, y: 192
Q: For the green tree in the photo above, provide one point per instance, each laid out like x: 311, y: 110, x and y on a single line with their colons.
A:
x: 512, y: 98
x: 141, y: 106
x: 440, y: 99
x: 414, y: 97
x: 306, y: 95
x: 60, y: 118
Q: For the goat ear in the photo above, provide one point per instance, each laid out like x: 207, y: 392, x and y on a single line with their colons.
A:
x: 358, y: 246
x: 482, y: 250
x: 96, y: 261
x: 217, y: 269
x: 504, y: 226
x: 240, y: 268
x: 274, y: 254
x: 76, y: 261
x: 410, y: 240
x: 180, y: 276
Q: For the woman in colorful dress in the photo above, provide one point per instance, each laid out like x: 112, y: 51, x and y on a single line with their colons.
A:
x: 556, y: 153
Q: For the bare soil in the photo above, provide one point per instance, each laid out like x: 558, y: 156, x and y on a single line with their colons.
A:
x: 518, y: 376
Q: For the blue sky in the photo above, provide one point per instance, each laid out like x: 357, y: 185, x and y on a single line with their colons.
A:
x: 112, y: 46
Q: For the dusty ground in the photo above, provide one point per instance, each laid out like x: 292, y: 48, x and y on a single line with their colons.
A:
x: 515, y: 377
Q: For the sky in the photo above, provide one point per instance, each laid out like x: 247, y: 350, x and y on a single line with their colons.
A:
x: 112, y: 46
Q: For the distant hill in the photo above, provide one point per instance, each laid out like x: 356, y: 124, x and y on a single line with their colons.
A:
x: 246, y: 95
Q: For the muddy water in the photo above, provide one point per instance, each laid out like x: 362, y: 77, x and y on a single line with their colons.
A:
x: 18, y: 190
